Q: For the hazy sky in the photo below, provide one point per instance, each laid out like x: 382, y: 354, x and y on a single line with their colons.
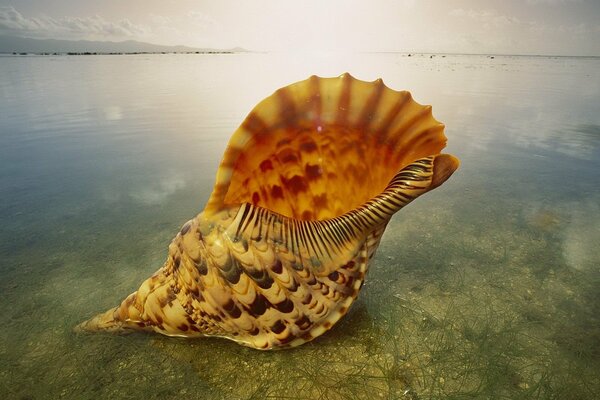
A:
x: 565, y: 27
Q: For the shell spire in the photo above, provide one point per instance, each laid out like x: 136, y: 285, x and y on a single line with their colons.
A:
x: 302, y: 197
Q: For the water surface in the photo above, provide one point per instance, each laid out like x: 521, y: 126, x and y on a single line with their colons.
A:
x: 487, y: 287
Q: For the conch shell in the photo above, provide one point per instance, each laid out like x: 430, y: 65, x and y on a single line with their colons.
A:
x: 306, y: 187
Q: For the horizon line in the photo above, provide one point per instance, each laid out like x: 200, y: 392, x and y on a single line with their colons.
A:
x: 245, y: 50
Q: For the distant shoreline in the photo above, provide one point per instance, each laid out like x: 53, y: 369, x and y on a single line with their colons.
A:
x: 217, y: 52
x: 95, y: 53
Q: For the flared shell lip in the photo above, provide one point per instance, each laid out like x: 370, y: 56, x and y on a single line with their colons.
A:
x: 344, y: 76
x: 241, y: 136
x: 341, y: 77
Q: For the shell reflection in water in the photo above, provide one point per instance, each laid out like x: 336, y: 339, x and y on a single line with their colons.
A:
x: 305, y: 190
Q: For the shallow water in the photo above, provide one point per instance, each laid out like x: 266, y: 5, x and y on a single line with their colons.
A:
x: 487, y: 287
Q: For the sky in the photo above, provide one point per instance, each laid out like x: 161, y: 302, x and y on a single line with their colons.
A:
x: 550, y: 27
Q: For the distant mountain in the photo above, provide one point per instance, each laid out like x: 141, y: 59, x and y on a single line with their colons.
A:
x: 14, y: 44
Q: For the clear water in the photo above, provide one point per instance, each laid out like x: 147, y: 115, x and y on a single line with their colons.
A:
x: 488, y: 287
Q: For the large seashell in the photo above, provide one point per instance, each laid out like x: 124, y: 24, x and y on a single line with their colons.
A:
x: 304, y: 192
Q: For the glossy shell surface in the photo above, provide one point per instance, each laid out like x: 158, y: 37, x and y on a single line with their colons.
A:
x: 323, y: 146
x: 306, y: 187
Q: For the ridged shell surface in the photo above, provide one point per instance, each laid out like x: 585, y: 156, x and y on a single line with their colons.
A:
x: 305, y: 190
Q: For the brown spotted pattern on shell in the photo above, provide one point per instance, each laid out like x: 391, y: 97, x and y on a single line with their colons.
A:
x: 305, y: 190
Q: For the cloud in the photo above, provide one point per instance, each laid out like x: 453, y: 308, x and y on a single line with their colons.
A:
x: 552, y: 2
x: 12, y: 22
x: 192, y: 28
x: 489, y: 18
x: 157, y: 192
x: 113, y: 113
x: 203, y: 20
x: 579, y: 29
x: 148, y: 192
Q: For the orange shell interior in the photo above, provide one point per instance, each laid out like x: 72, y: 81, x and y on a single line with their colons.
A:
x: 323, y: 146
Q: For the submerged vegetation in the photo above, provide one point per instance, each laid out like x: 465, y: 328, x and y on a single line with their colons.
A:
x: 447, y: 317
x: 486, y: 288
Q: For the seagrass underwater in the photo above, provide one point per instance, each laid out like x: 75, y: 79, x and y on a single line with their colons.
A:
x: 485, y: 286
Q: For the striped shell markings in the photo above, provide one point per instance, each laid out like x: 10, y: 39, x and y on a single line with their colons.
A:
x: 303, y: 194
